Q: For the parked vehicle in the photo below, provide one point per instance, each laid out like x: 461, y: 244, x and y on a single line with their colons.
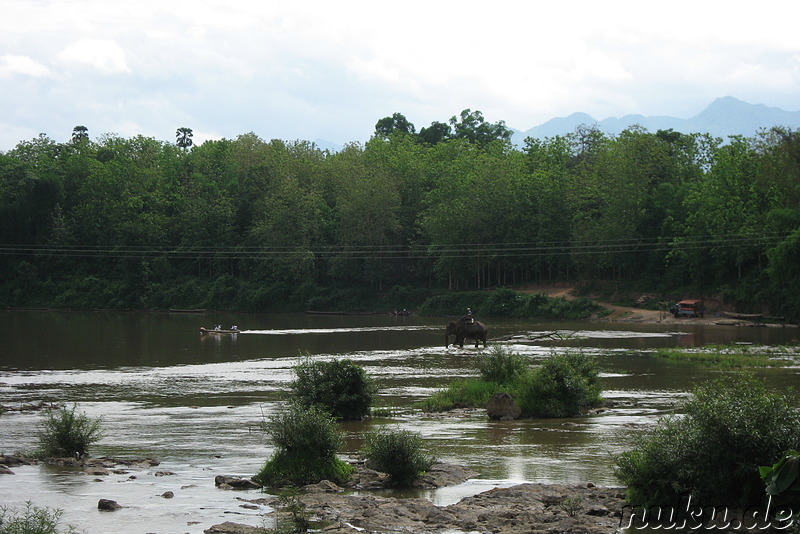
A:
x: 688, y: 308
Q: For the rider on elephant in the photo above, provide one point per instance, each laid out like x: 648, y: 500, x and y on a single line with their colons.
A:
x: 468, y: 318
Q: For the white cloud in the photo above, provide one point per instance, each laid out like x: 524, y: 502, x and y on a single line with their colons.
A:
x: 104, y: 55
x: 11, y: 64
x: 319, y: 69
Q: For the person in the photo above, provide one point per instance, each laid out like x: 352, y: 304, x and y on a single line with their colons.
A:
x: 234, y: 328
x: 218, y: 327
x: 468, y: 318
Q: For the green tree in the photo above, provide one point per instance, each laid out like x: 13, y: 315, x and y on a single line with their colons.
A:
x: 80, y: 134
x: 397, y: 123
x: 435, y: 133
x: 471, y: 125
x: 183, y: 137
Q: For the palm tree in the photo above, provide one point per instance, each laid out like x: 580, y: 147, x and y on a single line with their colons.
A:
x: 183, y: 137
x: 79, y: 134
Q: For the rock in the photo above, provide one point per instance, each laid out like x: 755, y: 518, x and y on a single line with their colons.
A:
x: 365, y: 478
x: 164, y: 473
x: 503, y: 406
x: 261, y: 501
x: 96, y: 471
x: 107, y: 505
x: 441, y: 475
x: 523, y: 508
x: 323, y: 486
x: 237, y: 483
x: 12, y: 461
x: 68, y: 461
x: 142, y: 463
x: 168, y: 494
x: 5, y: 470
x: 229, y: 527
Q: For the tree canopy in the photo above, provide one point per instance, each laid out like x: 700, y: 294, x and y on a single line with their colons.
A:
x: 272, y: 225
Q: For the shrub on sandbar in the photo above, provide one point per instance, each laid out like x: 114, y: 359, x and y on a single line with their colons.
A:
x: 397, y: 453
x: 306, y: 440
x: 66, y: 433
x: 339, y: 387
x: 564, y: 386
x: 501, y: 366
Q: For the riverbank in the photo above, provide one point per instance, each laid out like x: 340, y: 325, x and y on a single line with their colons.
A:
x: 715, y: 314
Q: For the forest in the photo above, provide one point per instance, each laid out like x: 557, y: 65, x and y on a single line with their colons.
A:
x: 255, y: 225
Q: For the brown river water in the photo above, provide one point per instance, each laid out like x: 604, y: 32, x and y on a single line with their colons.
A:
x: 196, y: 402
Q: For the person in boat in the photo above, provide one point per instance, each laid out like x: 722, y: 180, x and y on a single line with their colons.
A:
x: 468, y: 318
x: 234, y: 328
x: 218, y: 327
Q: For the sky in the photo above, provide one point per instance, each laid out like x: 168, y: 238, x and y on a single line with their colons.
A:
x: 329, y: 70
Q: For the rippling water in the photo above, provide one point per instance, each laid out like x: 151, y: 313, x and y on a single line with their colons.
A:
x: 196, y: 402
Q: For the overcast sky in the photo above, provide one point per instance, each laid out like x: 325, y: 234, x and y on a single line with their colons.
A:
x: 331, y: 69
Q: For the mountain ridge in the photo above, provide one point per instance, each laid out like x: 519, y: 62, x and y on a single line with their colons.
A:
x: 724, y: 117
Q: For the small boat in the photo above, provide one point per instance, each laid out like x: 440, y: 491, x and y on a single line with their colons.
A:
x: 204, y: 331
x: 744, y: 316
x: 314, y: 312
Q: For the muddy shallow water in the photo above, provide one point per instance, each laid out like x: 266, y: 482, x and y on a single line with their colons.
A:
x: 195, y: 403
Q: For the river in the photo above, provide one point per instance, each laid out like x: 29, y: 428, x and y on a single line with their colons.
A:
x: 195, y: 402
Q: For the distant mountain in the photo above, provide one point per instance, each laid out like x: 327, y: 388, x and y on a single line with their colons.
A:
x: 723, y: 117
x: 324, y: 144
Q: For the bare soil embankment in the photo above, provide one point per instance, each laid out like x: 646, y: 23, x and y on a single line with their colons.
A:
x: 715, y: 312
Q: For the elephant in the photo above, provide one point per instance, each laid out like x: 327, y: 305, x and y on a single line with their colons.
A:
x: 464, y: 330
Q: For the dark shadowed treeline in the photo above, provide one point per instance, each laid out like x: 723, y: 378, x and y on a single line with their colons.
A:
x: 261, y: 225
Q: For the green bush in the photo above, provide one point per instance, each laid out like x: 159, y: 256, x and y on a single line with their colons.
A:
x: 732, y: 426
x: 564, y: 386
x: 30, y: 520
x: 501, y: 366
x: 398, y: 453
x: 306, y: 440
x: 66, y: 433
x: 340, y: 387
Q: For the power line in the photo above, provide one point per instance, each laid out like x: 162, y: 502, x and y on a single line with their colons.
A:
x: 454, y: 251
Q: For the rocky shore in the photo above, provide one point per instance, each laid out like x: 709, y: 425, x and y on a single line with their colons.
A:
x: 359, y: 507
x: 533, y: 508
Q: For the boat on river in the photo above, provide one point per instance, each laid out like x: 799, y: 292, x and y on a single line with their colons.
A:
x: 204, y: 331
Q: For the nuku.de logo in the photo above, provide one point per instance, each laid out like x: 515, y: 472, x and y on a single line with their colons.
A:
x: 689, y: 516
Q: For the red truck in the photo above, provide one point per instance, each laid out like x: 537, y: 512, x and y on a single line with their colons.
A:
x: 688, y: 308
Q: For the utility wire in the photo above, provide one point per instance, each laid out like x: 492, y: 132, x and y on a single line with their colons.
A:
x: 461, y: 251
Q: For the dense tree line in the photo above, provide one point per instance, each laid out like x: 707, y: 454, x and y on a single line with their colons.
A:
x: 270, y: 225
